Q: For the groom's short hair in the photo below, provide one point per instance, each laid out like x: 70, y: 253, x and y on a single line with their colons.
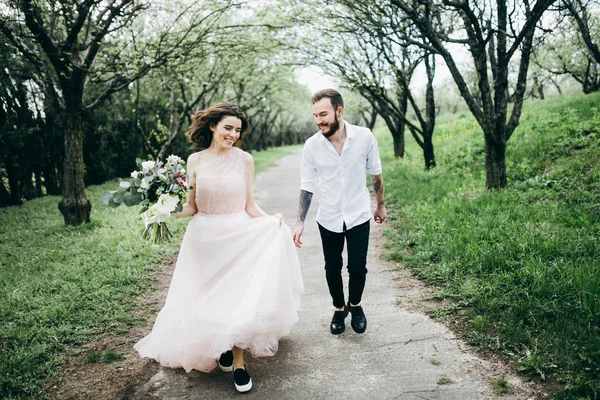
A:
x: 332, y: 94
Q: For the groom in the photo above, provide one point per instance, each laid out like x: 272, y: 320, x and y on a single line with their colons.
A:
x: 335, y: 160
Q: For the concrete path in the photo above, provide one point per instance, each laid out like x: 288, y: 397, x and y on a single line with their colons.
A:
x: 391, y: 360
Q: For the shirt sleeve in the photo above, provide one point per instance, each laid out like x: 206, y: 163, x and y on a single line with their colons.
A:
x: 308, y: 171
x: 373, y: 160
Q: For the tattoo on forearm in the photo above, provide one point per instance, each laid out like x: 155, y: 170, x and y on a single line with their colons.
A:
x: 304, y: 205
x: 377, y: 184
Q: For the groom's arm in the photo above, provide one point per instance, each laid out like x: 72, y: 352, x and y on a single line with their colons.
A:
x: 308, y: 185
x: 303, y: 206
x: 380, y: 212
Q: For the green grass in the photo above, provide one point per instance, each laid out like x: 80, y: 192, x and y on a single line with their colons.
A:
x: 110, y: 356
x: 444, y: 380
x: 500, y: 386
x: 522, y: 264
x: 94, y: 357
x: 63, y: 287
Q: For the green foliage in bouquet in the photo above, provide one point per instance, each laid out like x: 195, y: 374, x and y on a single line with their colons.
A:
x: 127, y: 194
x: 158, y: 188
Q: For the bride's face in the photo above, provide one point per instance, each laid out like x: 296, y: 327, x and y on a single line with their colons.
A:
x: 227, y: 131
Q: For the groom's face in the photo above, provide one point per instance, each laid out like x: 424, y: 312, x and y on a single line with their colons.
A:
x: 326, y: 117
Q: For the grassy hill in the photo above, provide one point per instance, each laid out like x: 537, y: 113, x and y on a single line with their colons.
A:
x: 522, y: 264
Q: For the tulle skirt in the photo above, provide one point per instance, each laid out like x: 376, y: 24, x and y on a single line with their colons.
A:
x: 237, y: 282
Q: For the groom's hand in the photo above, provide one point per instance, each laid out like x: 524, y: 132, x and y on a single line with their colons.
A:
x: 380, y: 214
x: 297, y: 234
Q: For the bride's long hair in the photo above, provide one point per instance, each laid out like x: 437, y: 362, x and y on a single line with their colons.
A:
x: 199, y: 132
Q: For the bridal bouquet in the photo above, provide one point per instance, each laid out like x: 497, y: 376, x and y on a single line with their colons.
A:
x: 159, y: 189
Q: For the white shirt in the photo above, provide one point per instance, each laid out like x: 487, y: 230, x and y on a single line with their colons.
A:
x: 341, y: 178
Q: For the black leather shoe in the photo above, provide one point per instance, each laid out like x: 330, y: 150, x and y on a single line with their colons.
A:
x: 358, y: 321
x: 337, y: 322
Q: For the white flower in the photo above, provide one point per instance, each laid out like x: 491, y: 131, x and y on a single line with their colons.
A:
x: 161, y: 211
x: 174, y: 160
x: 148, y: 164
x: 158, y: 216
x: 145, y: 184
x: 134, y: 174
x: 153, y: 216
x: 165, y: 204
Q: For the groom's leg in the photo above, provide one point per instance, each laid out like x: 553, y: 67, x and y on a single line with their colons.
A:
x: 333, y: 245
x: 358, y: 244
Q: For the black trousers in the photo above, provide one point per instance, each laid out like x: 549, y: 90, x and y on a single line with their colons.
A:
x: 357, y: 239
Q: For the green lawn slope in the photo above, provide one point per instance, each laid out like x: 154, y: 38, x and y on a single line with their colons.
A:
x: 522, y: 264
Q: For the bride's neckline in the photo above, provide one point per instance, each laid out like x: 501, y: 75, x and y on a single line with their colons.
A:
x: 215, y: 156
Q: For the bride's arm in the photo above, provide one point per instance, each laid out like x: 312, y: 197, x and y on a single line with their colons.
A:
x: 251, y: 207
x: 189, y: 208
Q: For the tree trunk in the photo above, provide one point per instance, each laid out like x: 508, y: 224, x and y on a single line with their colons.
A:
x: 429, y: 125
x: 495, y: 165
x: 74, y: 205
x: 540, y: 88
x: 397, y: 124
x: 39, y: 191
x: 428, y: 153
x: 371, y: 122
x: 52, y: 135
x: 27, y: 162
x: 591, y: 81
x: 26, y: 177
x: 12, y: 172
x: 4, y: 195
x: 50, y: 179
x: 399, y: 142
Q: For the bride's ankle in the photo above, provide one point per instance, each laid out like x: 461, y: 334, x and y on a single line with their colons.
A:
x: 238, y: 365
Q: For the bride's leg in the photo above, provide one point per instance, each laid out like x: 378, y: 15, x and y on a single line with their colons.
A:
x: 241, y: 378
x: 238, y: 357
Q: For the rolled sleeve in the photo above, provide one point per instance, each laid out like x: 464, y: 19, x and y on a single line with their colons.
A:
x: 308, y: 171
x: 373, y: 160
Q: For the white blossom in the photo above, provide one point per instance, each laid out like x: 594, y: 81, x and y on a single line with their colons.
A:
x: 173, y: 159
x: 148, y: 164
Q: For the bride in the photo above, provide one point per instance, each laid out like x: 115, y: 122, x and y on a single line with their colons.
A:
x: 237, y: 282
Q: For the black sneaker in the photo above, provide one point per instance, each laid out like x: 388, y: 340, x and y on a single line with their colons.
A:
x: 226, y: 361
x: 358, y: 321
x: 242, y: 380
x: 337, y: 325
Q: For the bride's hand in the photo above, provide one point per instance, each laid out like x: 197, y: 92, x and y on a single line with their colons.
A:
x: 279, y: 217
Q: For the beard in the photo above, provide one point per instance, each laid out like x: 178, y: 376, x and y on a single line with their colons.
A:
x: 333, y: 127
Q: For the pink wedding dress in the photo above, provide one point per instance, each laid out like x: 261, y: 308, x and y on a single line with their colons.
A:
x: 237, y: 281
